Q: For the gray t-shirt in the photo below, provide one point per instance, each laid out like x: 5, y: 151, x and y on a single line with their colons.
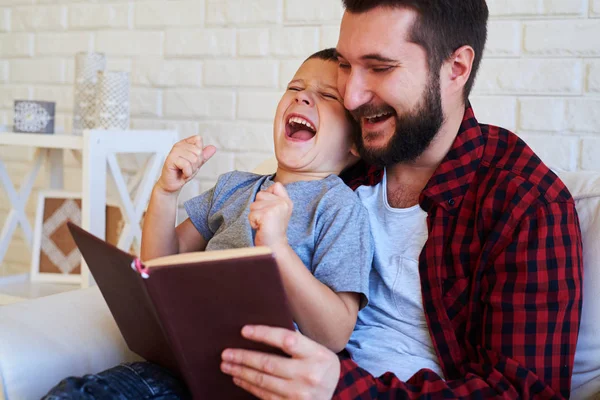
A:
x: 328, y: 230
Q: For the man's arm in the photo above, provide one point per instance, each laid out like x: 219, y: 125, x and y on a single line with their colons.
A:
x: 529, y: 330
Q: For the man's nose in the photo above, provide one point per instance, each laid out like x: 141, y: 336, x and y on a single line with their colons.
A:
x: 356, y: 92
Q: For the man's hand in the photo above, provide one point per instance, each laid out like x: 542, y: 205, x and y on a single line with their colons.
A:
x: 269, y: 215
x: 311, y: 373
x: 183, y: 162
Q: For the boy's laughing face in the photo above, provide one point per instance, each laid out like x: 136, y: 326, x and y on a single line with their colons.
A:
x: 311, y: 130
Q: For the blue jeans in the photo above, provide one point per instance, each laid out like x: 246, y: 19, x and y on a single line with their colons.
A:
x: 141, y: 380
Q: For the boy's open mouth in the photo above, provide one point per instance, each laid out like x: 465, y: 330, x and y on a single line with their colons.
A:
x: 299, y: 128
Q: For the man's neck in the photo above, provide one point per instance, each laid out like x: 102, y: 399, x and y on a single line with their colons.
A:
x: 406, y: 181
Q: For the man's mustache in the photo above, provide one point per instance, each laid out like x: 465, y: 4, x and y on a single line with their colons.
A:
x: 370, y: 110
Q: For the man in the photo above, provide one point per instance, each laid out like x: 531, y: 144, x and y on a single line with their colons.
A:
x: 500, y: 266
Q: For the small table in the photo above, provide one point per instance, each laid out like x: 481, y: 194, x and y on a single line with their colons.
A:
x: 96, y: 149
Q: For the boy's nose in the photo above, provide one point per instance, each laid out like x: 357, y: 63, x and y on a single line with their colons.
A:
x: 303, y: 97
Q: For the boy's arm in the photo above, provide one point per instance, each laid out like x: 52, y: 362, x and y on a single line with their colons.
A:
x: 322, y: 314
x: 159, y: 235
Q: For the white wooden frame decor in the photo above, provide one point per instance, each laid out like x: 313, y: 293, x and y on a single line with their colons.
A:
x: 39, y: 237
x: 43, y: 242
x: 98, y: 149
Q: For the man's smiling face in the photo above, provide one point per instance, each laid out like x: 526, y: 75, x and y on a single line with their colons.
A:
x: 386, y: 84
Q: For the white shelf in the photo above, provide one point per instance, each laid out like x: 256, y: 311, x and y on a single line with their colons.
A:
x: 42, y: 140
x: 99, y: 149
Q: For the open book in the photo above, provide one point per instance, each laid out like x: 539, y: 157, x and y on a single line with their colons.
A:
x: 182, y: 311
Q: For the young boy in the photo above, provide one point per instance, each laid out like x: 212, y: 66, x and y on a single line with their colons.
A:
x: 314, y: 224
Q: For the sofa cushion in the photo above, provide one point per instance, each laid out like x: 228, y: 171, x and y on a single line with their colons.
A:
x: 44, y: 340
x: 585, y: 188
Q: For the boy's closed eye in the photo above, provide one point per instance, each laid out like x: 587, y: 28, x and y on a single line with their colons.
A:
x: 323, y: 94
x: 330, y: 96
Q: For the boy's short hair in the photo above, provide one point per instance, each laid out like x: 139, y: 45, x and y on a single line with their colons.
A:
x: 325, y: 55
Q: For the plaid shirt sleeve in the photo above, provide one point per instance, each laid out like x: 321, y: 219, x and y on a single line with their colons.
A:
x: 528, y: 302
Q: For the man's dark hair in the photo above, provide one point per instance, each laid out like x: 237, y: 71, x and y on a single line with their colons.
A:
x: 442, y: 27
x: 325, y: 55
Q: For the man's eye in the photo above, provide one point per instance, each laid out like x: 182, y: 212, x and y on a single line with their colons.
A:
x: 295, y: 89
x: 381, y: 69
x: 330, y: 96
x: 344, y: 66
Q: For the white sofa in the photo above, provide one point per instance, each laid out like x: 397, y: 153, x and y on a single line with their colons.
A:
x: 45, y: 340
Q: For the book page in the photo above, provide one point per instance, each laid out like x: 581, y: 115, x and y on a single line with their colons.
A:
x: 200, y: 256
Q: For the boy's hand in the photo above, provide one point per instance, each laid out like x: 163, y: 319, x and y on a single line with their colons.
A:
x: 183, y: 162
x: 269, y: 215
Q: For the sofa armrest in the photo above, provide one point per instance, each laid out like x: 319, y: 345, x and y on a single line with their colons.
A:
x: 43, y: 341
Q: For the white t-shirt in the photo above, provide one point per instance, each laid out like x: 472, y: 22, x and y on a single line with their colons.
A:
x: 391, y: 333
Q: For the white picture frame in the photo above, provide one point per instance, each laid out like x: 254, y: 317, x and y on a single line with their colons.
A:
x: 52, y: 277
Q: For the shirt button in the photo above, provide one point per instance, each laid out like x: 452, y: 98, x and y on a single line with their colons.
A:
x: 451, y: 202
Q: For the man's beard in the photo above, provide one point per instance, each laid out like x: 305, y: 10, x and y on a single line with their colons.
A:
x: 414, y: 130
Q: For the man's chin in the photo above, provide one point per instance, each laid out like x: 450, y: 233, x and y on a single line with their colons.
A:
x: 375, y: 141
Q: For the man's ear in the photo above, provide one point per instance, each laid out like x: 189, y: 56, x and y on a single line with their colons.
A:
x: 458, y: 67
x: 354, y: 151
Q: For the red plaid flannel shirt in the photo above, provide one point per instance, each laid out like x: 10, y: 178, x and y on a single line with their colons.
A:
x: 500, y: 272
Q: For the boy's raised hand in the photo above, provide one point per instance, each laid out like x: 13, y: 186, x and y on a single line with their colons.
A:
x: 269, y: 215
x: 183, y: 162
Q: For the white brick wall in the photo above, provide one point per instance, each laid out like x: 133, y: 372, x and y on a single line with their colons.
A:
x: 10, y: 93
x: 579, y: 38
x: 98, y: 16
x: 188, y: 103
x: 16, y: 45
x: 504, y: 39
x: 253, y: 105
x: 253, y: 42
x: 38, y: 70
x: 153, y: 14
x: 125, y: 43
x: 200, y: 42
x: 311, y: 11
x: 3, y: 71
x: 593, y: 77
x: 4, y: 19
x: 500, y: 76
x: 295, y: 41
x: 39, y: 18
x: 244, y: 73
x: 158, y: 72
x: 243, y: 12
x: 218, y: 67
x: 146, y: 102
x: 63, y: 44
x: 62, y: 95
